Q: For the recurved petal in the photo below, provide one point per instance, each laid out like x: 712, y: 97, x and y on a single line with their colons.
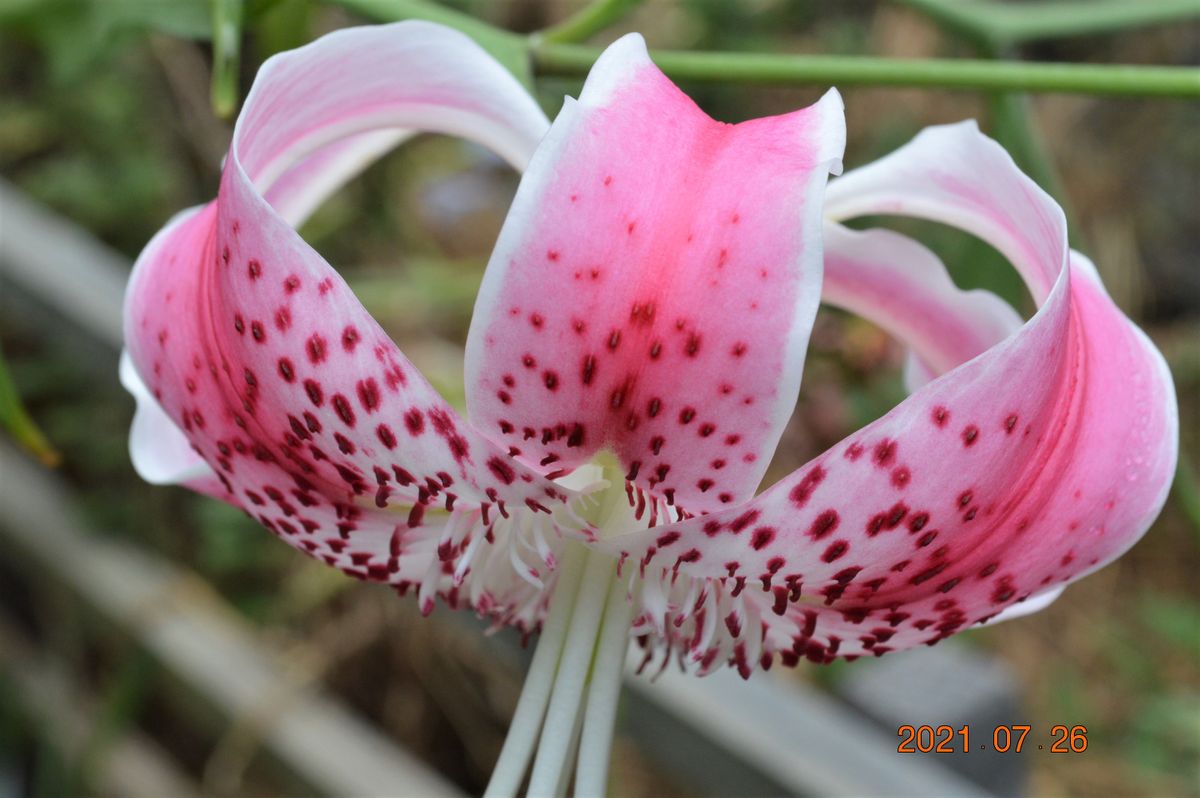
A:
x: 900, y: 285
x: 1021, y: 470
x: 306, y: 411
x: 654, y: 285
x: 161, y: 453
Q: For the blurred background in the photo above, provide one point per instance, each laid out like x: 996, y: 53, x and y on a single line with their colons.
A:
x: 106, y: 122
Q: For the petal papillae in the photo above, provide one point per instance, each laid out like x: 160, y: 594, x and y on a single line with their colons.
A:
x: 301, y: 406
x: 1020, y: 470
x: 654, y: 285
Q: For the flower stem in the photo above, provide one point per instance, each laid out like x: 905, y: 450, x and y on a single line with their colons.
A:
x: 600, y: 712
x: 550, y: 58
x: 554, y: 745
x: 557, y: 58
x: 591, y: 19
x: 1005, y: 24
x: 531, y: 706
x: 227, y: 42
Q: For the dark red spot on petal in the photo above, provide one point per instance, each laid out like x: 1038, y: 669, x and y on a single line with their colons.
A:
x: 824, y: 524
x: 386, y: 436
x: 341, y: 406
x: 368, y: 394
x: 744, y: 520
x: 502, y: 470
x: 804, y: 488
x: 414, y: 420
x: 315, y: 346
x: 315, y: 395
x: 350, y: 338
x: 836, y: 550
x: 884, y: 452
x: 970, y: 434
x: 761, y: 538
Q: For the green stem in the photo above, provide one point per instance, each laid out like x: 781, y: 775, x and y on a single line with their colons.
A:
x: 1002, y: 24
x: 966, y: 74
x: 510, y: 49
x: 1187, y: 490
x: 15, y: 419
x: 393, y: 10
x: 589, y: 20
x: 227, y: 44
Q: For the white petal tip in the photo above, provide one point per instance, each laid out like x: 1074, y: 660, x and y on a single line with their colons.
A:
x: 619, y: 61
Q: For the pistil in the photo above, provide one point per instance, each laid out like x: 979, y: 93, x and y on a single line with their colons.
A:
x: 569, y: 699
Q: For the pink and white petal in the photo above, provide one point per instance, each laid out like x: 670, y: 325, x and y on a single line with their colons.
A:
x: 406, y: 76
x: 257, y: 349
x: 922, y: 181
x: 161, y: 453
x: 1021, y: 470
x: 654, y: 285
x: 305, y: 186
x: 901, y: 286
x: 1035, y: 603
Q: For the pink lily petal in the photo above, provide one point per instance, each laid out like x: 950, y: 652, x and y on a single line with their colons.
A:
x: 654, y: 286
x: 900, y: 285
x: 312, y: 419
x: 1015, y: 473
x: 160, y: 451
x: 304, y: 187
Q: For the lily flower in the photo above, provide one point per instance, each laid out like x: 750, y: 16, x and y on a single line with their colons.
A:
x: 635, y: 353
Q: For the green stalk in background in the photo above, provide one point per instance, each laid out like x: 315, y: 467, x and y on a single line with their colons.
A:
x: 18, y: 423
x: 549, y: 57
x: 510, y: 49
x: 932, y: 73
x: 227, y: 44
x: 1000, y: 25
x: 589, y: 20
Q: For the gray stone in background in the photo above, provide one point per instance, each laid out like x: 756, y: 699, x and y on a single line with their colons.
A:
x: 954, y: 686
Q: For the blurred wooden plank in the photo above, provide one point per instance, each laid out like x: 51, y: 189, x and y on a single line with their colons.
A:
x: 948, y: 684
x: 189, y: 629
x: 785, y: 739
x: 132, y: 765
x: 62, y: 265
